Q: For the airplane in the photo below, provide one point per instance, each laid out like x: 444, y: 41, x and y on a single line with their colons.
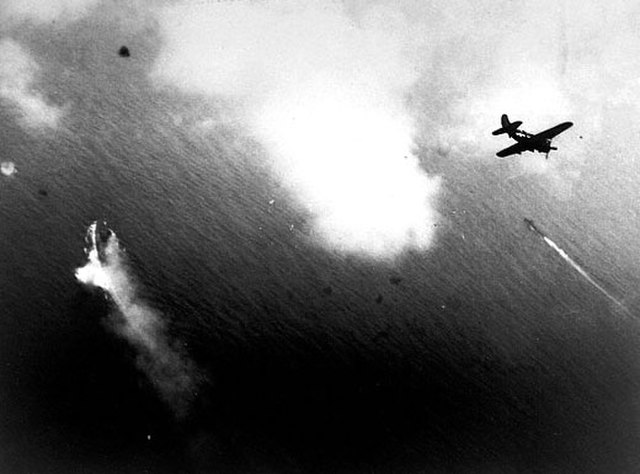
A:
x: 540, y: 142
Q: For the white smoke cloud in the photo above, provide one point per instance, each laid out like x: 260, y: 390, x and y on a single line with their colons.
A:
x: 45, y: 11
x: 18, y: 71
x: 169, y: 371
x: 323, y: 90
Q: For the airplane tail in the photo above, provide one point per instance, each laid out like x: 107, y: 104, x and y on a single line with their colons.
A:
x: 507, y: 127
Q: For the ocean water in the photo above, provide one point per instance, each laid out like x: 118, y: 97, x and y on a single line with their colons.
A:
x: 486, y: 353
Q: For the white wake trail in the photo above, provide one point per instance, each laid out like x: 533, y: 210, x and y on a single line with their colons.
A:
x: 583, y: 273
x: 167, y: 368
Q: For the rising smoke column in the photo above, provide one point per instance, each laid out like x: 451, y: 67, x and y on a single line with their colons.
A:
x: 172, y: 374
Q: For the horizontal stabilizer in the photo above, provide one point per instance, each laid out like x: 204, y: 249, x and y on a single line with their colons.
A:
x: 508, y: 128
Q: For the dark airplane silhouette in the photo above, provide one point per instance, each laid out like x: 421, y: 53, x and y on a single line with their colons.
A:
x: 526, y: 141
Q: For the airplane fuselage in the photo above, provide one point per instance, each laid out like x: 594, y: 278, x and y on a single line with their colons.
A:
x: 542, y: 145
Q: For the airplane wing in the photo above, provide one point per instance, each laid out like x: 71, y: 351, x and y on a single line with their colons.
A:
x: 552, y: 132
x: 513, y: 149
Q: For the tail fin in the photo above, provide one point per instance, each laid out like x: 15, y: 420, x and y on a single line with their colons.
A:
x: 507, y: 127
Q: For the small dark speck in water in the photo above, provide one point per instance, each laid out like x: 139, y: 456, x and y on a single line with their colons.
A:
x: 395, y: 280
x: 381, y: 335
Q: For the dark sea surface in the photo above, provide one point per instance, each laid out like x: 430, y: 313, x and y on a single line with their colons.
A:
x: 487, y: 353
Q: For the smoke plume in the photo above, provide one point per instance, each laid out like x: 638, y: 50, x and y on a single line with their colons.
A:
x: 168, y: 370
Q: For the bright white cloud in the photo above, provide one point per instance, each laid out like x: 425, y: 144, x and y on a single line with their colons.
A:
x: 17, y: 73
x: 324, y: 92
x: 45, y: 11
x: 350, y: 161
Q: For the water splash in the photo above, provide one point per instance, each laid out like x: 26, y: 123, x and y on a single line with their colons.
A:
x: 170, y: 372
x: 8, y: 168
